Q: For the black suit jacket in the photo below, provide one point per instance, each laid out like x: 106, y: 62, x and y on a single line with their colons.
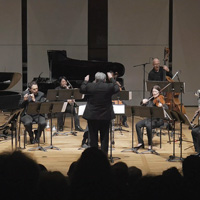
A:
x: 99, y: 99
x: 158, y: 76
x: 24, y: 104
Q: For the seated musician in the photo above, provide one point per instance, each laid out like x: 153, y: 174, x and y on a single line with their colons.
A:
x: 121, y: 87
x: 32, y: 95
x: 196, y: 136
x: 158, y: 72
x: 60, y: 116
x: 157, y: 100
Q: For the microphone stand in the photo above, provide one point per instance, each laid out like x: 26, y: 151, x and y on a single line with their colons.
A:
x: 144, y: 65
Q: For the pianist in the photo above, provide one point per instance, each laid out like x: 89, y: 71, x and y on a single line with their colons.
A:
x: 64, y: 84
x: 32, y: 95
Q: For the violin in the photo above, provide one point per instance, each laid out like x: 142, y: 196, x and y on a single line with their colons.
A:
x: 159, y: 100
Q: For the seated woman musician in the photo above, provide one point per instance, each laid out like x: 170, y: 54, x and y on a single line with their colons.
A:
x: 156, y: 100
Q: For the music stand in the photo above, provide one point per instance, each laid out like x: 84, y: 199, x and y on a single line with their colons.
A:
x: 34, y: 109
x: 53, y: 107
x: 162, y: 84
x: 81, y: 109
x: 155, y: 112
x: 52, y: 95
x: 120, y: 96
x: 175, y: 118
x: 118, y: 109
x: 132, y: 111
x: 111, y: 158
x: 70, y: 94
x: 183, y: 120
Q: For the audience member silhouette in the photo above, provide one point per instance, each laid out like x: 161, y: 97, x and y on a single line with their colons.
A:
x: 42, y: 168
x: 191, y: 174
x: 71, y: 170
x: 19, y: 176
x: 92, y: 177
x: 53, y: 186
x: 120, y: 178
x: 172, y: 181
x: 135, y: 174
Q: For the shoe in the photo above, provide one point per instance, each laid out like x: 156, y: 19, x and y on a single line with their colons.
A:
x: 125, y: 124
x: 35, y: 133
x: 85, y: 146
x: 139, y: 146
x: 83, y: 142
x: 149, y: 148
x: 60, y: 129
x: 32, y: 140
x: 78, y: 128
x: 36, y: 140
x: 196, y: 154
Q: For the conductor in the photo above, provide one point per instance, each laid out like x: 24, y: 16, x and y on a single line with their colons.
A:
x: 99, y: 110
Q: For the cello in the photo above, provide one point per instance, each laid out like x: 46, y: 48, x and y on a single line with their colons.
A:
x: 172, y: 99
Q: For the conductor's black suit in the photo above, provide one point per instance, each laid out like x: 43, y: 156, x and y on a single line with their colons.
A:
x: 99, y: 110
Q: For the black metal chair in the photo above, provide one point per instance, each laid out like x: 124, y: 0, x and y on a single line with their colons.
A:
x: 11, y: 123
x: 25, y: 135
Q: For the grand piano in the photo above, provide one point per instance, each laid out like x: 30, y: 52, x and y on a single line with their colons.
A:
x: 9, y: 100
x: 75, y: 70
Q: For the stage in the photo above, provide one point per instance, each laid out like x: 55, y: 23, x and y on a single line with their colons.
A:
x: 60, y: 160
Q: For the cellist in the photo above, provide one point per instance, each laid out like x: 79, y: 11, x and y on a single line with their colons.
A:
x: 156, y: 100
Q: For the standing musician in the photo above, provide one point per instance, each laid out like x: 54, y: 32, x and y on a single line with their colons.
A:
x: 158, y: 72
x: 28, y: 96
x: 157, y: 100
x: 60, y: 116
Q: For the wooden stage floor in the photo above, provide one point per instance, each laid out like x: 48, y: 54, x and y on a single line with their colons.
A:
x: 60, y: 160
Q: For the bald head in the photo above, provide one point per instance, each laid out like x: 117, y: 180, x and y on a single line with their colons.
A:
x: 156, y: 64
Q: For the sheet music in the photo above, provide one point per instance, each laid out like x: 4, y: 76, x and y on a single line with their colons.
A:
x: 119, y: 109
x: 130, y: 95
x: 81, y: 109
x: 64, y: 106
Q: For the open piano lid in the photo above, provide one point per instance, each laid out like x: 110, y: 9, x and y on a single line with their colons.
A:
x: 9, y: 100
x: 9, y: 80
x: 73, y: 69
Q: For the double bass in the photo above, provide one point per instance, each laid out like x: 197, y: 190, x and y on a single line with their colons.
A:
x: 172, y: 98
